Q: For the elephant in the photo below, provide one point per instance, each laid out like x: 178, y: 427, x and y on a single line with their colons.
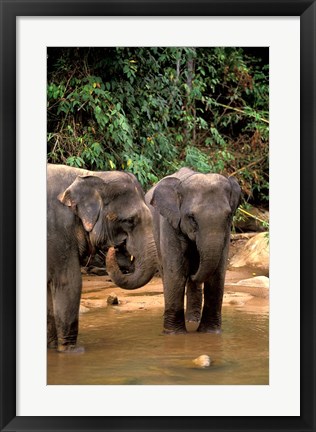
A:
x: 192, y: 216
x: 89, y: 212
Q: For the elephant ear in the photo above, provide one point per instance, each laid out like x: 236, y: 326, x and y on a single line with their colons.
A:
x: 83, y: 198
x: 235, y: 194
x: 166, y: 200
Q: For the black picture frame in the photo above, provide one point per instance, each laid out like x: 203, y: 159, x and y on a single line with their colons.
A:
x: 11, y: 9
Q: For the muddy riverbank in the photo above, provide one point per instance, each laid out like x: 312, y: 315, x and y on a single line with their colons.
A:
x: 97, y: 289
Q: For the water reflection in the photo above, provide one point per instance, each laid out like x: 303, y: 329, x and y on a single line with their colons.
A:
x: 129, y: 348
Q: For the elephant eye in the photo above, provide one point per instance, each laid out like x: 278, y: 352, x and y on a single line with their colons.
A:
x: 128, y: 223
x: 192, y: 221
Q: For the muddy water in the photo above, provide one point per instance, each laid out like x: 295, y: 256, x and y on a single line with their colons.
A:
x: 129, y: 348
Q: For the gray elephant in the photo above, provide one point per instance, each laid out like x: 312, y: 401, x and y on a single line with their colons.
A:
x: 87, y: 212
x: 192, y: 215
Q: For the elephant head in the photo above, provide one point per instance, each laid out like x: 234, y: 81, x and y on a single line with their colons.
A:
x: 200, y: 207
x: 114, y: 215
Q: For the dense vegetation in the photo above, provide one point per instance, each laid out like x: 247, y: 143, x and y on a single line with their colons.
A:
x: 153, y: 110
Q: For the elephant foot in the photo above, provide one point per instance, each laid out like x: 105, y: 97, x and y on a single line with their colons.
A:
x: 174, y: 332
x: 212, y: 330
x: 70, y: 349
x: 174, y: 322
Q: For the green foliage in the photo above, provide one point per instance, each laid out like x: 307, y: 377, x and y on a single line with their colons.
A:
x: 152, y: 110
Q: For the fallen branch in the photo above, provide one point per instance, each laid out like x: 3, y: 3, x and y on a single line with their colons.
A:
x: 241, y: 111
x: 247, y: 166
x: 252, y: 216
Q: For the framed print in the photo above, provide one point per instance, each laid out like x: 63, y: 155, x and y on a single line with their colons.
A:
x: 30, y: 398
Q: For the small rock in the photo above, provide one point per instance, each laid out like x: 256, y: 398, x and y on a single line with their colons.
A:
x: 203, y: 361
x: 83, y: 309
x: 112, y: 299
x: 236, y: 302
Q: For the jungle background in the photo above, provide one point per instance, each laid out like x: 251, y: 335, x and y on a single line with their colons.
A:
x: 151, y: 111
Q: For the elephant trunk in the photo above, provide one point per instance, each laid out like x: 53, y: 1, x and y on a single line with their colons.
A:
x: 143, y: 264
x: 211, y: 250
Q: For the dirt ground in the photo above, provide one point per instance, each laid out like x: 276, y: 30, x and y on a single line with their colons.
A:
x: 97, y: 289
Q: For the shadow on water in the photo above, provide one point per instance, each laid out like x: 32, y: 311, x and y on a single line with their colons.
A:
x: 129, y: 348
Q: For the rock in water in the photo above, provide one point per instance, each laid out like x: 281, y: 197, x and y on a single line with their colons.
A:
x: 257, y: 282
x: 112, y: 299
x: 203, y: 361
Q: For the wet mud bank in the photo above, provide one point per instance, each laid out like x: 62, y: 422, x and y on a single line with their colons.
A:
x: 97, y: 290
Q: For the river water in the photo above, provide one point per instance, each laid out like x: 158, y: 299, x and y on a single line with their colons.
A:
x: 128, y: 348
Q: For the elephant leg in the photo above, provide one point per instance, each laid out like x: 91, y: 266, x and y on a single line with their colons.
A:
x: 174, y: 277
x: 66, y: 302
x: 174, y: 304
x: 51, y: 327
x: 211, y: 320
x: 194, y: 301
